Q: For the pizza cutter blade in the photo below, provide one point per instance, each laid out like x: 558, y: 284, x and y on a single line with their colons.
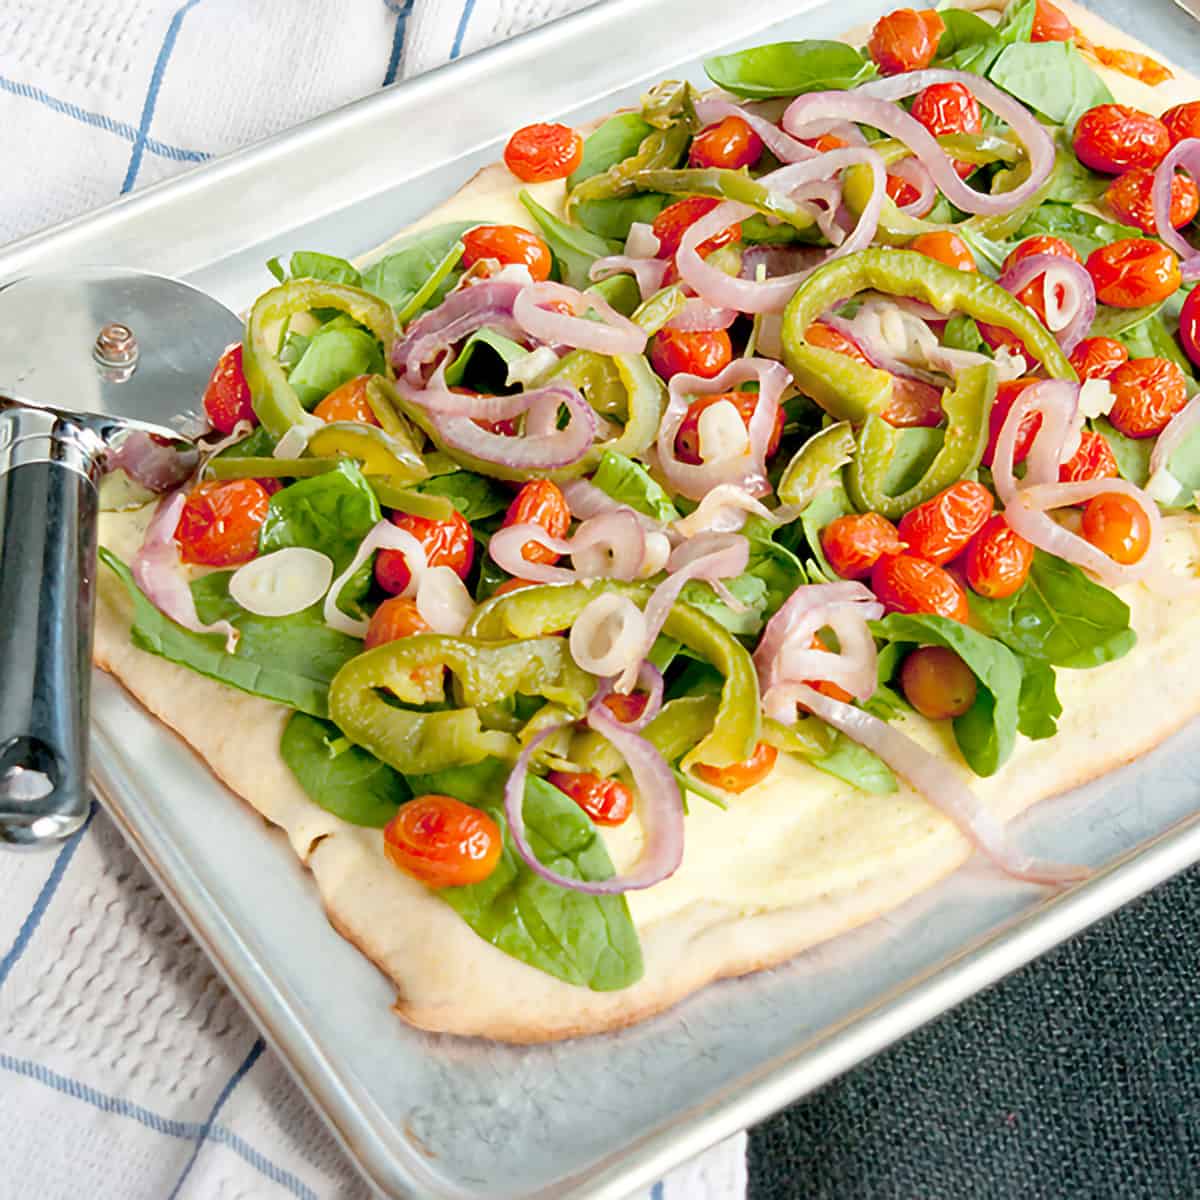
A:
x: 90, y: 360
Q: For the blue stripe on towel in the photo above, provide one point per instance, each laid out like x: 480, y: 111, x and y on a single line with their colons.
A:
x: 402, y: 11
x: 461, y: 31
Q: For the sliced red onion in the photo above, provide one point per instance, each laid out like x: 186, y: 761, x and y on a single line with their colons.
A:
x: 698, y: 315
x: 660, y: 810
x: 585, y: 499
x: 612, y: 334
x: 607, y: 546
x: 1184, y: 156
x: 723, y: 510
x: 874, y: 104
x: 1057, y: 400
x: 158, y: 572
x: 608, y: 637
x: 784, y: 147
x: 650, y: 681
x: 747, y: 471
x: 384, y: 536
x: 642, y: 241
x: 1175, y: 433
x: 913, y: 171
x: 154, y: 466
x: 1070, y: 294
x: 772, y: 295
x: 648, y: 272
x: 927, y: 774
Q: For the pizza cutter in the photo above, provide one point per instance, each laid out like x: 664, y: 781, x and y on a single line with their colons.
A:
x: 91, y: 362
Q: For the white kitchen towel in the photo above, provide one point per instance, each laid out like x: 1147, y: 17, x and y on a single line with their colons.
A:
x: 127, y: 1071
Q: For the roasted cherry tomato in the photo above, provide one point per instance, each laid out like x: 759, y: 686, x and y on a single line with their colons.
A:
x: 703, y: 352
x: 1033, y: 294
x: 541, y: 152
x: 1130, y: 198
x: 1133, y: 272
x: 397, y: 617
x: 1093, y: 459
x: 997, y: 560
x: 1189, y: 326
x: 948, y: 108
x: 903, y: 194
x: 905, y: 40
x: 1050, y: 24
x: 1098, y: 357
x: 348, y: 403
x: 1148, y: 393
x: 1006, y: 395
x: 443, y: 842
x: 220, y: 522
x: 1116, y: 524
x: 937, y: 683
x: 448, y: 543
x: 739, y: 776
x: 729, y: 143
x: 676, y: 219
x: 687, y: 440
x: 606, y: 801
x: 627, y: 706
x: 1114, y: 137
x: 940, y: 528
x: 853, y: 544
x: 832, y: 690
x: 826, y: 142
x: 1182, y: 121
x: 946, y: 247
x: 227, y: 394
x: 540, y: 502
x: 507, y: 244
x: 828, y: 338
x: 905, y: 583
x: 1041, y: 243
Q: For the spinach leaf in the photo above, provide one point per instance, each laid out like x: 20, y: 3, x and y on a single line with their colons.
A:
x: 288, y: 659
x: 1059, y: 616
x: 621, y: 291
x: 789, y: 68
x: 858, y: 766
x: 310, y: 264
x: 342, y: 778
x: 1152, y: 339
x: 618, y: 138
x: 1113, y: 322
x: 574, y: 249
x: 1038, y: 707
x: 259, y: 444
x: 749, y: 590
x: 1017, y: 22
x: 589, y: 941
x: 1070, y: 181
x: 962, y: 333
x: 1132, y: 454
x: 969, y: 43
x: 611, y: 218
x: 1083, y: 230
x: 333, y: 355
x: 401, y: 274
x: 987, y: 731
x: 1050, y: 77
x: 630, y: 483
x: 825, y: 507
x: 778, y: 568
x: 475, y: 496
x: 500, y: 346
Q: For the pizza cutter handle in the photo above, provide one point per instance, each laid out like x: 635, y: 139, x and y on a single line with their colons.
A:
x: 48, y: 511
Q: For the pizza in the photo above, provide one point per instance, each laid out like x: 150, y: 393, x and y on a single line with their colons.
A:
x: 707, y: 529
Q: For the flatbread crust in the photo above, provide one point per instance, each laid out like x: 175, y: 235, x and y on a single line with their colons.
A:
x: 793, y: 862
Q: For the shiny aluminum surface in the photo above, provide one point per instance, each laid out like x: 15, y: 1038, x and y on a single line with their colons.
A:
x: 448, y: 1118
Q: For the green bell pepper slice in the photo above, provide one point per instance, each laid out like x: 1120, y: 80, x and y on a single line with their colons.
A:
x: 393, y: 493
x: 534, y: 611
x: 267, y: 468
x: 275, y: 400
x: 681, y: 724
x: 726, y: 184
x: 816, y: 464
x: 655, y: 311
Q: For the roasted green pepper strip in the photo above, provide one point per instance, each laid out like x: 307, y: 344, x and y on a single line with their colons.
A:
x: 534, y: 611
x: 680, y: 725
x: 267, y: 468
x: 485, y: 673
x: 967, y: 408
x: 275, y: 400
x: 655, y: 311
x: 816, y: 464
x: 851, y: 391
x: 623, y: 386
x: 809, y: 737
x: 726, y: 184
x: 378, y: 453
x: 392, y: 493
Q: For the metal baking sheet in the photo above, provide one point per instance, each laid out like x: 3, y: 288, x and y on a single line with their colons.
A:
x: 449, y: 1118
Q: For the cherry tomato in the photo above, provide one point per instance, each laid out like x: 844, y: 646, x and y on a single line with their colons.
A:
x: 687, y: 440
x: 826, y: 142
x: 448, y: 543
x: 828, y: 338
x: 1116, y: 524
x: 1033, y: 294
x: 674, y: 221
x: 903, y: 194
x: 1130, y: 198
x: 948, y: 108
x: 1006, y: 395
x: 348, y: 403
x: 1093, y: 459
x: 905, y: 40
x: 219, y: 524
x: 606, y: 801
x: 997, y: 560
x: 946, y: 247
x: 703, y: 352
x: 1189, y: 326
x: 832, y: 690
x: 937, y: 683
x: 739, y: 776
x: 854, y: 543
x: 1114, y: 137
x: 1133, y: 272
x: 905, y: 583
x: 540, y: 502
x: 514, y: 585
x: 227, y: 394
x: 626, y: 707
x: 940, y: 528
x: 1041, y: 243
x: 507, y: 244
x: 1149, y: 392
x: 1182, y: 121
x: 1098, y: 357
x: 729, y: 143
x: 443, y: 842
x: 538, y: 153
x: 397, y: 617
x: 1050, y: 24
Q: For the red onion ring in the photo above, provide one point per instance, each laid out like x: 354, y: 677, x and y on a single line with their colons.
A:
x: 382, y: 536
x: 874, y: 104
x: 784, y: 147
x: 1175, y: 433
x: 612, y: 334
x: 610, y: 545
x: 1185, y: 156
x: 648, y: 272
x: 723, y: 510
x: 160, y: 468
x: 650, y: 681
x: 913, y: 171
x: 157, y: 571
x: 660, y: 810
x: 585, y: 499
x: 698, y: 315
x: 1076, y: 281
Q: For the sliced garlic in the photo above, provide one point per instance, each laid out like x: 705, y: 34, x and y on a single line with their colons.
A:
x: 443, y: 600
x: 722, y: 433
x: 1096, y: 398
x: 283, y: 582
